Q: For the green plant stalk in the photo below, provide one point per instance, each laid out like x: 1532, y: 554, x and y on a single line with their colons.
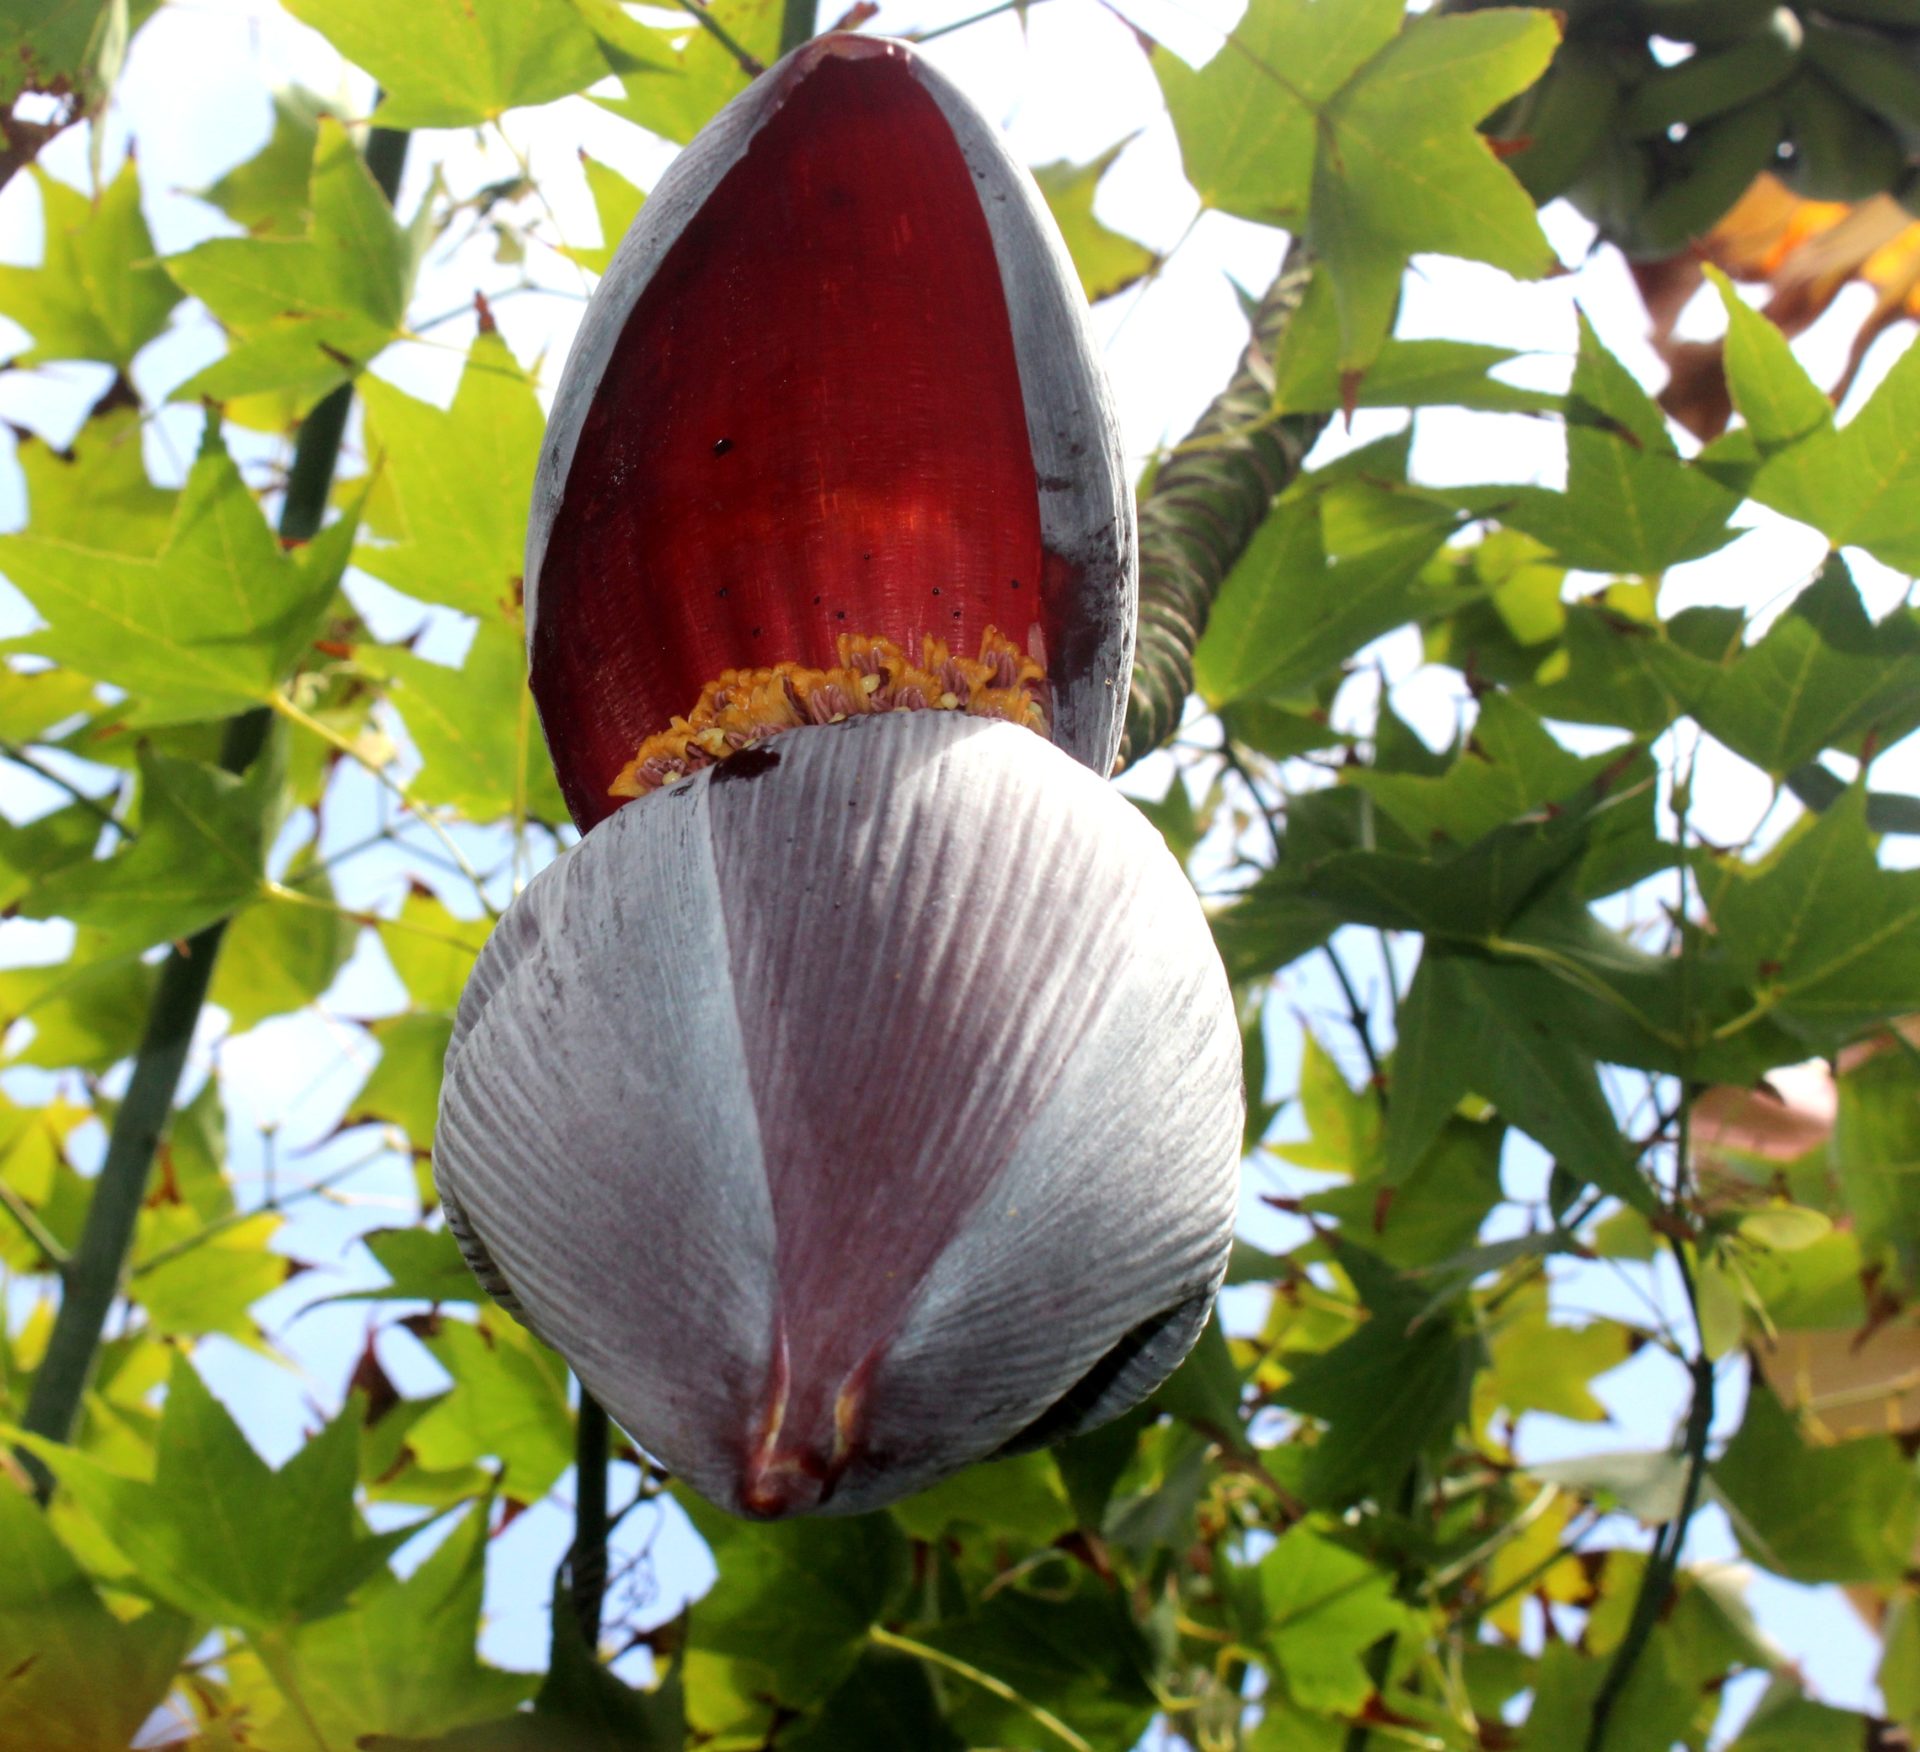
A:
x: 1206, y: 499
x: 587, y: 1559
x: 797, y: 21
x: 94, y: 1273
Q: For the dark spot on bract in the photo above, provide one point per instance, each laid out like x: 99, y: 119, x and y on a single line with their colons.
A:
x: 1013, y: 583
x: 756, y: 632
x: 721, y: 446
x: 721, y: 591
x: 839, y: 614
x: 749, y: 763
x: 936, y: 590
x: 816, y: 602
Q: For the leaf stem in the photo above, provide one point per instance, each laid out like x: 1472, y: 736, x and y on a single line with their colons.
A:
x: 35, y: 1231
x: 34, y: 764
x: 282, y: 703
x: 999, y: 1688
x: 1360, y: 1021
x: 749, y: 64
x: 94, y: 1274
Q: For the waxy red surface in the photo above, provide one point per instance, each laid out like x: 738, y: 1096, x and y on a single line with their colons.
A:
x: 812, y: 424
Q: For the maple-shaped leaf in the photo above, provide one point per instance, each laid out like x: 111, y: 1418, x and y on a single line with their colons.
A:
x: 268, y: 193
x: 671, y: 84
x: 1857, y: 484
x: 98, y: 292
x: 207, y: 627
x: 1361, y: 123
x: 96, y: 491
x: 1828, y: 940
x: 465, y: 61
x: 73, y: 1676
x: 452, y: 486
x: 200, y: 855
x: 1106, y: 260
x: 216, y: 1532
x: 305, y: 313
x: 402, y: 1660
x: 615, y: 203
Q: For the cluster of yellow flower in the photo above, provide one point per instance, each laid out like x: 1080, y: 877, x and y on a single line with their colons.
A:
x: 743, y: 707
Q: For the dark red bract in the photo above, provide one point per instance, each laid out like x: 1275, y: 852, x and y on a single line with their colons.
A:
x: 812, y: 423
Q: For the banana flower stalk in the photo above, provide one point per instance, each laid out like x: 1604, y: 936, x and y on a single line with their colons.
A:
x: 861, y: 1097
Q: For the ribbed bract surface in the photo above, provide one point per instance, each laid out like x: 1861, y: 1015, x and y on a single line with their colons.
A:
x: 839, y: 1112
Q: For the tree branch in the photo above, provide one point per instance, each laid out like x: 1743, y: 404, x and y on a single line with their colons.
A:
x: 1207, y: 498
x: 94, y: 1273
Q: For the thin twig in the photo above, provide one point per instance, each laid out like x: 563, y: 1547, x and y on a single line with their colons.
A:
x: 34, y: 764
x: 1361, y: 1022
x: 749, y: 64
x: 36, y: 1231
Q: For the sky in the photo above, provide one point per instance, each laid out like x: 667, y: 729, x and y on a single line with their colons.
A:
x: 193, y: 103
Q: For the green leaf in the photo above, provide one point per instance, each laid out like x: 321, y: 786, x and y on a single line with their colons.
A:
x: 204, y: 629
x: 1078, y: 1654
x: 467, y: 61
x: 1272, y: 924
x: 86, y: 1012
x: 1106, y: 260
x: 99, y: 292
x: 885, y: 1703
x: 305, y: 313
x: 1406, y: 374
x: 96, y: 493
x: 673, y: 87
x: 1019, y: 1498
x: 1780, y: 403
x: 432, y: 951
x: 36, y: 850
x: 1857, y: 484
x: 1825, y: 936
x: 1435, y: 1210
x: 850, y: 1573
x: 1325, y: 1607
x: 200, y: 855
x: 1874, y: 1157
x: 1822, y: 673
x: 1332, y: 568
x: 403, y: 1089
x: 1246, y: 120
x: 509, y: 1403
x: 279, y: 955
x: 1632, y: 504
x: 1459, y: 1036
x: 1405, y: 170
x: 268, y: 193
x: 451, y: 500
x: 66, y: 46
x: 475, y: 729
x: 423, y: 1265
x: 1655, y: 1708
x: 1840, y: 1513
x: 616, y: 202
x: 209, y: 1287
x: 401, y: 1659
x: 217, y: 1534
x: 73, y: 1676
x: 1388, y: 1392
x: 1539, y: 1364
x: 1509, y: 767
